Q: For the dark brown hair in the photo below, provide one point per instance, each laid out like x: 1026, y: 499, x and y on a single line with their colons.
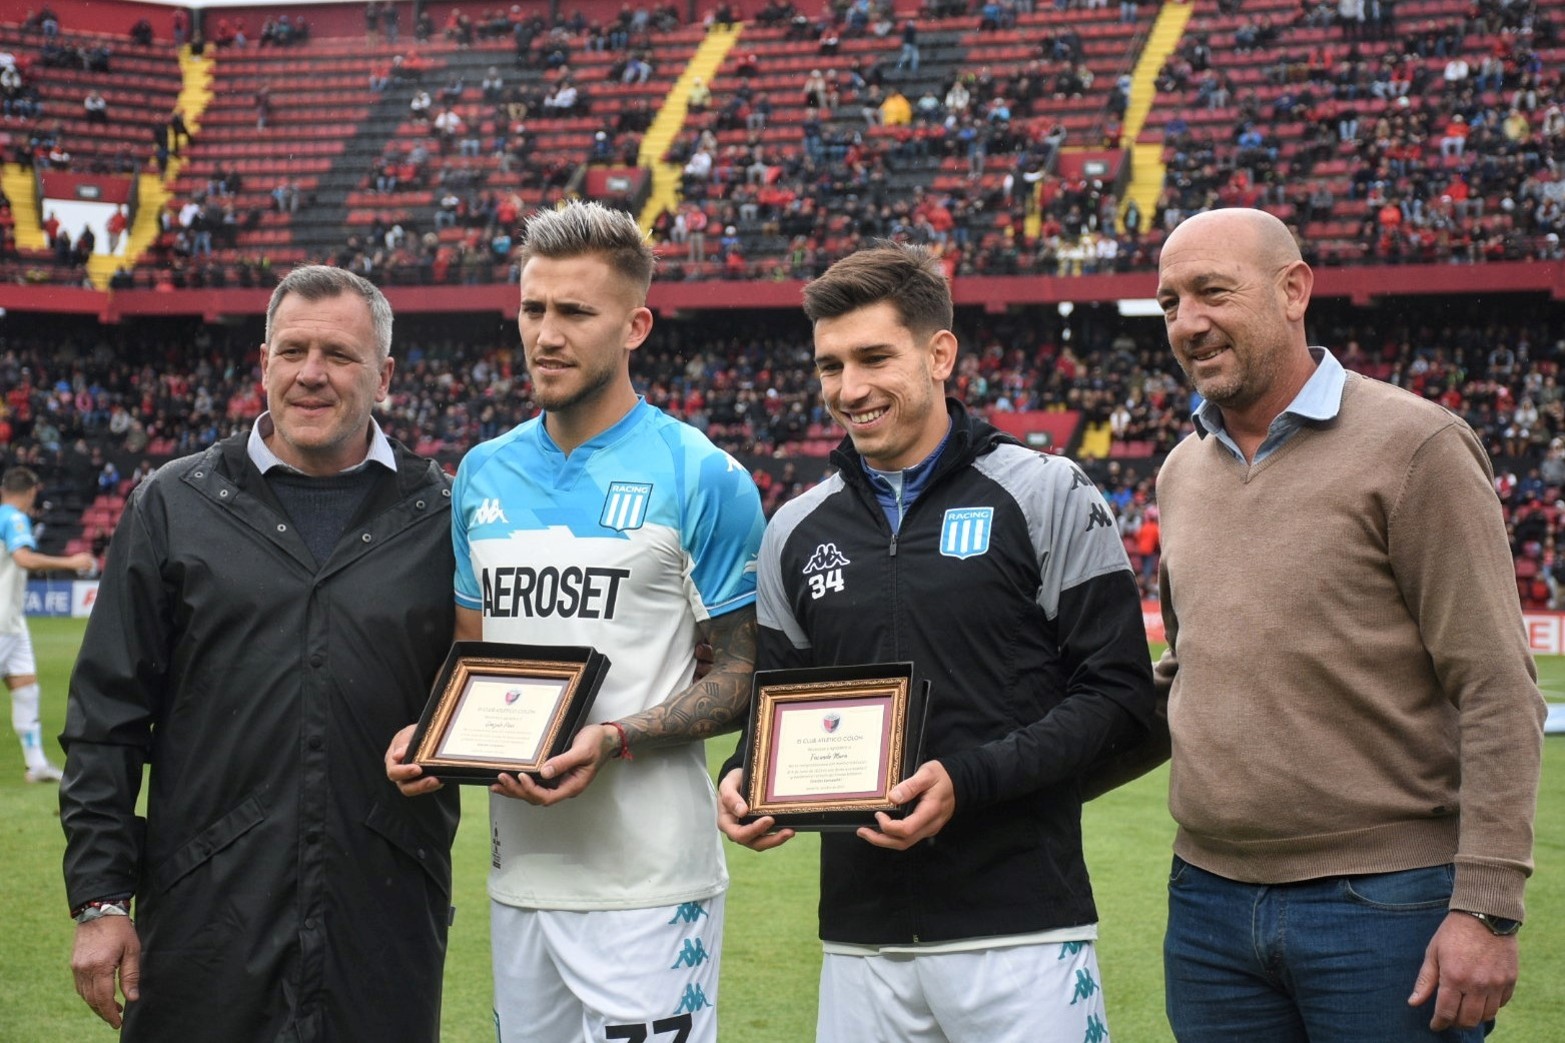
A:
x: 908, y: 277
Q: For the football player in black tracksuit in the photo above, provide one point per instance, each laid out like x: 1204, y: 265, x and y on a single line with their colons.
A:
x: 1000, y: 574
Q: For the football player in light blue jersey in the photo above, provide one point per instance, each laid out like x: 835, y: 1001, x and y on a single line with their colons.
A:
x: 605, y: 522
x: 18, y: 491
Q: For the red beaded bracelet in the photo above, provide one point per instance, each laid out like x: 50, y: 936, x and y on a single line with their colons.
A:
x: 624, y: 744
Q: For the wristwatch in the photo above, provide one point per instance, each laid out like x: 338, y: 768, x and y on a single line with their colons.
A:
x: 97, y: 910
x: 1497, y: 925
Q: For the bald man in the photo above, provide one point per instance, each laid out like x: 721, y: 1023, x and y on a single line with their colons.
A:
x: 1354, y: 716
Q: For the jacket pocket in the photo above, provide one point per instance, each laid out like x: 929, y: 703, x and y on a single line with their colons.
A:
x: 214, y: 838
x: 434, y: 856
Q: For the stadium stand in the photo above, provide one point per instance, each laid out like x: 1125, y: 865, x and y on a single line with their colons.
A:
x: 94, y: 408
x: 311, y: 151
x: 1436, y: 240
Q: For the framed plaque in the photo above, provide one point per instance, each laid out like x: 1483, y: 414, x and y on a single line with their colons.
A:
x: 827, y: 744
x: 504, y: 708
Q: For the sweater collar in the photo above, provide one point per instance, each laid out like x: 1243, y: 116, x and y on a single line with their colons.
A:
x: 1319, y: 400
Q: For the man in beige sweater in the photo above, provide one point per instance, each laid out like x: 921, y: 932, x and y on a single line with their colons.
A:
x: 1355, y: 720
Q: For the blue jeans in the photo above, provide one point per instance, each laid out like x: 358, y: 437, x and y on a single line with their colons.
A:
x: 1329, y: 960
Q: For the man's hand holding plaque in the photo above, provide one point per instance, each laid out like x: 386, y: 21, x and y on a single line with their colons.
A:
x: 501, y: 708
x: 828, y: 746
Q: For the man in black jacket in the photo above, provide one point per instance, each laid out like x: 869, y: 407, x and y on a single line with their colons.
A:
x: 272, y: 611
x: 999, y: 572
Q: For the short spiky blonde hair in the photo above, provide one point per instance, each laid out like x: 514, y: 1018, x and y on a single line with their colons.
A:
x: 591, y: 228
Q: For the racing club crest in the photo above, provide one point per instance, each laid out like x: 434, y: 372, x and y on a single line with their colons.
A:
x: 965, y: 531
x: 625, y: 506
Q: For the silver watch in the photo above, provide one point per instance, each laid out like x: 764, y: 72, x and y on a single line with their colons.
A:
x: 98, y: 910
x: 1498, y: 925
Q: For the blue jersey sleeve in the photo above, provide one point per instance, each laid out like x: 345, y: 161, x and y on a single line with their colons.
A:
x: 16, y: 529
x: 465, y: 583
x: 722, y: 532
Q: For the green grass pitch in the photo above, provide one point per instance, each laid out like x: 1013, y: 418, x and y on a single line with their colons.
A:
x: 771, y: 957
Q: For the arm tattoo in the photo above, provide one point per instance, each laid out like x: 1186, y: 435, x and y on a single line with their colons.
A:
x: 713, y: 705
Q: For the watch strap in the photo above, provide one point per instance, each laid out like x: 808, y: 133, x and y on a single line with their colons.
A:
x: 1498, y: 925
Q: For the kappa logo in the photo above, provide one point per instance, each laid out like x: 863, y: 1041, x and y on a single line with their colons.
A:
x: 625, y: 506
x: 694, y: 954
x: 825, y: 570
x: 1085, y: 986
x: 693, y: 1000
x: 489, y: 511
x: 1099, y: 516
x: 826, y: 556
x: 688, y: 912
x: 964, y: 533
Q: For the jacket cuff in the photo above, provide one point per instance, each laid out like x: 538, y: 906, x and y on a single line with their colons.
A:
x: 963, y: 769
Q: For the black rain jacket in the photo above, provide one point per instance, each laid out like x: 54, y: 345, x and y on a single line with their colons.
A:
x: 284, y: 889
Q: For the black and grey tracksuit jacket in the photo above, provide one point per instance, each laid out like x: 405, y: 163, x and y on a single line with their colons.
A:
x: 1009, y: 589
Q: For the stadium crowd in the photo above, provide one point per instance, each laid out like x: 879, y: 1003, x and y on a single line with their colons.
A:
x: 1446, y: 147
x: 1439, y: 151
x: 95, y: 411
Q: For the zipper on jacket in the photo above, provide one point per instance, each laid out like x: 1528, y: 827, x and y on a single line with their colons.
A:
x: 893, y: 545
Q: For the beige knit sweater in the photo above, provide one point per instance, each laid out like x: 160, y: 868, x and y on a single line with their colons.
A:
x: 1354, y: 693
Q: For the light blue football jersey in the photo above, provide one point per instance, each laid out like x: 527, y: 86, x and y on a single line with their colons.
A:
x: 627, y: 545
x: 16, y: 530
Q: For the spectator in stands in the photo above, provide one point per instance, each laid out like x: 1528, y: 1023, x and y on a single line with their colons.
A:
x: 86, y: 242
x: 263, y: 106
x: 115, y: 227
x: 562, y: 99
x: 448, y: 209
x: 493, y: 85
x: 696, y: 173
x: 1454, y: 141
x: 700, y: 95
x: 445, y: 128
x: 896, y: 110
x: 178, y: 132
x: 420, y: 105
x: 814, y: 91
x: 638, y: 69
x: 285, y: 197
x: 695, y: 222
x: 95, y: 108
x: 451, y: 93
x: 909, y: 55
